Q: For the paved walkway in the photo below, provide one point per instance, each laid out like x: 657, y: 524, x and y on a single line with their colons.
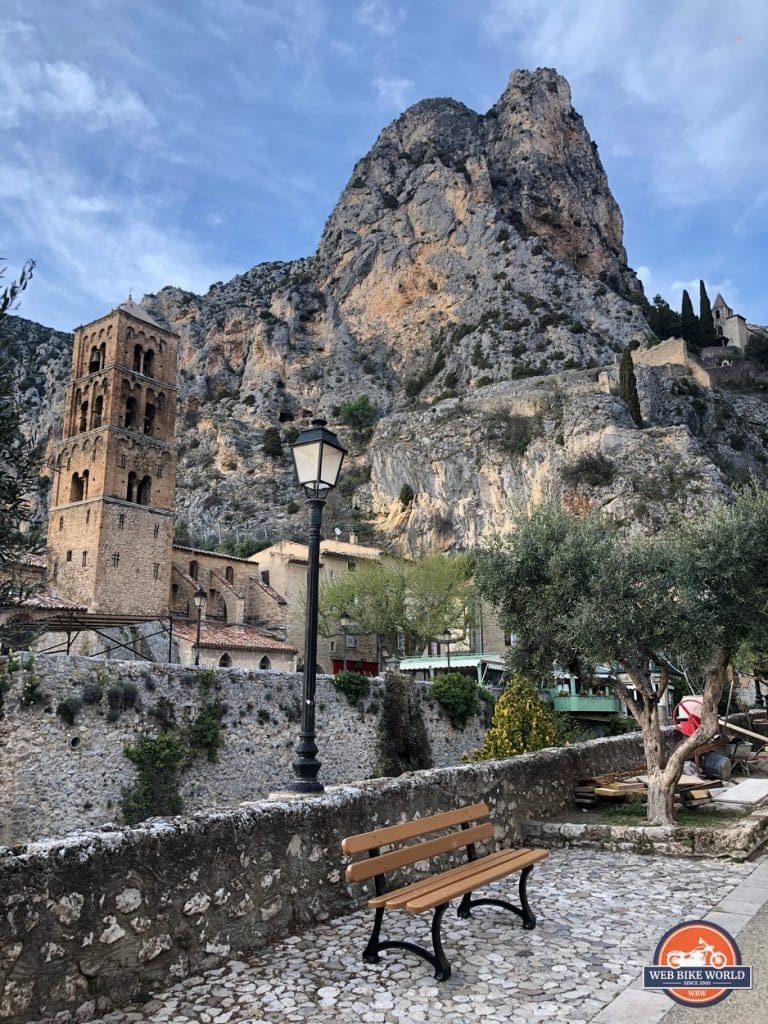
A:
x: 600, y: 916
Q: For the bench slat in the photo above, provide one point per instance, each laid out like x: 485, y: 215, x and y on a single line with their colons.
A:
x: 433, y: 899
x: 363, y: 869
x: 410, y: 829
x: 397, y: 898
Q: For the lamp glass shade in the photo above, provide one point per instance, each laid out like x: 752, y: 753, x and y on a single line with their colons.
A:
x: 317, y: 455
x: 201, y: 598
x: 345, y: 620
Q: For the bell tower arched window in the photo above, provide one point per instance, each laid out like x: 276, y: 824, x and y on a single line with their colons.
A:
x: 83, y: 416
x: 137, y: 354
x: 130, y: 494
x: 130, y: 413
x: 148, y: 367
x: 149, y: 419
x: 145, y: 491
x: 76, y: 489
x: 94, y: 364
x: 98, y: 411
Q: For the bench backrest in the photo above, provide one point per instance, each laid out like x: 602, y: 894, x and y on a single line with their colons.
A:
x: 460, y: 833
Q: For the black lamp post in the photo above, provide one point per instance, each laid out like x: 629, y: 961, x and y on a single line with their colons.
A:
x: 345, y: 621
x: 445, y: 637
x: 317, y: 455
x: 201, y: 599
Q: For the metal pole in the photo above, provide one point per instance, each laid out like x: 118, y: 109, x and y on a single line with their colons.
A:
x: 197, y: 643
x: 170, y: 639
x: 306, y: 766
x: 448, y: 653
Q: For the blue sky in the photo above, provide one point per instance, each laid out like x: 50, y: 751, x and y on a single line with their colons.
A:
x: 153, y: 142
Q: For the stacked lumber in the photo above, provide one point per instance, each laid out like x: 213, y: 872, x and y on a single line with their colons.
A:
x: 628, y: 786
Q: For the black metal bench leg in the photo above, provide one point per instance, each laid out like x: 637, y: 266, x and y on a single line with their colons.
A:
x: 529, y: 918
x: 371, y: 952
x: 442, y: 966
x: 464, y: 908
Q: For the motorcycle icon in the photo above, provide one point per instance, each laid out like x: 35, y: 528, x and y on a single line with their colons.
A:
x: 703, y: 955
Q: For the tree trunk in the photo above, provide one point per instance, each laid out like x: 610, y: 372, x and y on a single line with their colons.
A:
x: 660, y: 796
x: 661, y: 801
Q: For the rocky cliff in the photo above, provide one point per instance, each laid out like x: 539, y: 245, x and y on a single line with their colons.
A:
x: 471, y: 282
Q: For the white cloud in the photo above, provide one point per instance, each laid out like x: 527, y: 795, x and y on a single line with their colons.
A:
x: 393, y: 92
x: 61, y: 90
x: 380, y: 17
x: 726, y: 287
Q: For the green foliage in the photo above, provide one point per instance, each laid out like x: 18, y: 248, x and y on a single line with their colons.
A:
x: 30, y: 691
x: 121, y: 697
x: 662, y: 319
x: 707, y: 334
x: 406, y: 495
x: 403, y: 742
x: 360, y: 415
x: 290, y: 434
x: 593, y: 469
x: 458, y: 696
x: 354, y: 686
x: 272, y: 443
x: 521, y: 722
x: 479, y: 358
x: 416, y: 599
x: 390, y: 202
x: 159, y: 761
x: 628, y: 387
x: 512, y: 433
x: 689, y: 323
x: 757, y: 349
x: 204, y: 733
x: 291, y: 508
x: 181, y: 533
x: 68, y: 709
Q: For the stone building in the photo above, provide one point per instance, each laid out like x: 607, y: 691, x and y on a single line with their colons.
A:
x: 110, y: 529
x: 730, y: 328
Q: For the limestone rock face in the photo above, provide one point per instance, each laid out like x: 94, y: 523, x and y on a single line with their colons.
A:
x: 471, y: 281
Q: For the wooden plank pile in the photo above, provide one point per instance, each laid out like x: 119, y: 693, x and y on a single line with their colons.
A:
x: 631, y: 786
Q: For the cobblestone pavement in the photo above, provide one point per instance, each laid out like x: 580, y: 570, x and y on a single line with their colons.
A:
x: 600, y: 916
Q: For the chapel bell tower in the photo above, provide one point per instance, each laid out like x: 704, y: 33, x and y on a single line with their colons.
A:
x: 110, y: 529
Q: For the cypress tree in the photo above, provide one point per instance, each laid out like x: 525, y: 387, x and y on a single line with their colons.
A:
x: 521, y: 722
x: 628, y: 387
x: 689, y: 322
x: 706, y: 324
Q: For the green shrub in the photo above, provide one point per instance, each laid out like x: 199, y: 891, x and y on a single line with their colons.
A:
x: 390, y: 201
x: 272, y: 444
x: 30, y: 692
x: 159, y: 761
x: 291, y: 508
x: 360, y: 415
x: 68, y: 709
x: 595, y: 470
x: 406, y: 495
x: 354, y: 685
x: 204, y: 733
x: 92, y: 694
x: 458, y: 696
x: 510, y: 432
x: 403, y: 742
x: 521, y: 722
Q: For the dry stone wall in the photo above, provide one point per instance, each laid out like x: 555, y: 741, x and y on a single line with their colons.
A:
x: 55, y: 777
x: 102, y: 918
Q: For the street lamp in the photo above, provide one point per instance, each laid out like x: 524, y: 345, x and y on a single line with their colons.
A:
x: 445, y: 638
x: 317, y: 455
x: 345, y: 621
x: 201, y: 599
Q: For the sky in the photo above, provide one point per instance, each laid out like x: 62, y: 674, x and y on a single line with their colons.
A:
x: 157, y: 142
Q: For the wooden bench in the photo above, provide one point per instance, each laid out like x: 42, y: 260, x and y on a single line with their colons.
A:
x: 461, y: 828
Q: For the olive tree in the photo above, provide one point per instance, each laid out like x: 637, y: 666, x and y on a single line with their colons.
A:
x: 578, y: 592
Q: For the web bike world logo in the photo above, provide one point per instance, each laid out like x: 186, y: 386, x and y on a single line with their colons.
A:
x: 697, y: 964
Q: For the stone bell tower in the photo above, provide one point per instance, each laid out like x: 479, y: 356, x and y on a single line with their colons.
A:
x: 110, y: 528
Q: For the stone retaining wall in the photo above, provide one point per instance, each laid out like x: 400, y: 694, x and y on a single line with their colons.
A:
x: 99, y: 918
x: 55, y: 778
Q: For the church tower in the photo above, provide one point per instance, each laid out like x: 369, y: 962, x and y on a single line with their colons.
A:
x: 110, y: 529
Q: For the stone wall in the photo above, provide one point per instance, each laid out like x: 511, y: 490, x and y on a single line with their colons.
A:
x: 102, y: 917
x: 55, y: 778
x: 673, y: 353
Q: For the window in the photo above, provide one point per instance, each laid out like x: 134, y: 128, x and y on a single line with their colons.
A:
x: 225, y: 661
x: 130, y: 493
x: 76, y: 490
x: 265, y: 663
x: 159, y: 473
x: 174, y: 591
x: 229, y: 574
x: 123, y: 462
x: 149, y: 363
x: 115, y: 560
x: 85, y: 559
x: 69, y: 556
x: 157, y: 530
x: 149, y: 420
x: 98, y: 412
x: 145, y: 491
x: 350, y: 640
x: 333, y: 646
x: 265, y: 577
x: 61, y: 522
x: 121, y: 521
x: 156, y: 570
x: 193, y: 567
x: 83, y: 416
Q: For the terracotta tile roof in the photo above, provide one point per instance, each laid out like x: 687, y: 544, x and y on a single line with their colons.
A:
x: 215, y: 554
x: 345, y: 550
x: 244, y: 638
x: 51, y: 600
